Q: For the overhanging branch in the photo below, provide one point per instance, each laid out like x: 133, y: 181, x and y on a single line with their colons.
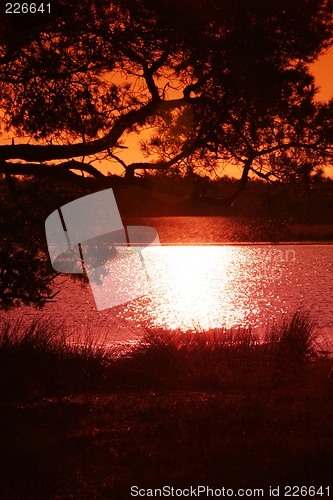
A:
x: 41, y: 153
x: 59, y: 171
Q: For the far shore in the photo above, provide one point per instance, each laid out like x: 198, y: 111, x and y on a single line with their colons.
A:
x: 231, y: 230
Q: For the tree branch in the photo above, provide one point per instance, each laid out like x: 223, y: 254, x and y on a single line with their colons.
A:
x: 289, y: 145
x: 192, y: 87
x: 42, y: 153
x: 119, y: 160
x: 227, y: 202
x: 152, y: 87
x: 60, y: 171
x: 161, y: 165
x: 148, y: 73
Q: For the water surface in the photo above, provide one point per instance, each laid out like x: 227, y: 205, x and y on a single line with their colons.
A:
x: 202, y: 287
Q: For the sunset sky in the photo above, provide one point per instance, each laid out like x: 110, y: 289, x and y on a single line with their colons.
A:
x: 323, y: 71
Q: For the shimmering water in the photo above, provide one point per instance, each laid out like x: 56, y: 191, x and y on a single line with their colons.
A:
x: 202, y: 287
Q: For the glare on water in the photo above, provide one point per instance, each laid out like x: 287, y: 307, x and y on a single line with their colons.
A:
x: 206, y: 287
x: 202, y: 287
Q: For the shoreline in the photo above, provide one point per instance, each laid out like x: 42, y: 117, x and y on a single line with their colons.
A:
x: 209, y: 230
x: 251, y: 243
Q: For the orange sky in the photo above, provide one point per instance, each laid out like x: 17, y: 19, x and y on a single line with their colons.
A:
x: 322, y: 69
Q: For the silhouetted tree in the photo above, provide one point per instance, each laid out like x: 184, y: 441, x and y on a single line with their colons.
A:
x: 219, y: 80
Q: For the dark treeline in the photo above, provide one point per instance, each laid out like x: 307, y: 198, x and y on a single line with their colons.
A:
x: 310, y: 203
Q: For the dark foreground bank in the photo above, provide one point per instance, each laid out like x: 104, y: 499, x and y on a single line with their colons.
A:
x: 215, y: 409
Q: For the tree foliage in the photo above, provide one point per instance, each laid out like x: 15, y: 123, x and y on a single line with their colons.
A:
x: 215, y: 82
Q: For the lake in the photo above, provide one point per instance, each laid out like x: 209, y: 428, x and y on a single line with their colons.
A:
x: 203, y: 287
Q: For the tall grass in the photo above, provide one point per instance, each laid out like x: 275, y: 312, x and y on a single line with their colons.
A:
x: 265, y: 421
x: 206, y: 360
x: 295, y: 339
x: 36, y: 360
x: 225, y: 359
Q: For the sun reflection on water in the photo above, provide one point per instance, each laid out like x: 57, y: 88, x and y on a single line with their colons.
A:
x: 198, y: 288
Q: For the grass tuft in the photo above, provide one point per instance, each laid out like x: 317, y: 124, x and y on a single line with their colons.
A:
x: 228, y: 359
x: 36, y: 360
